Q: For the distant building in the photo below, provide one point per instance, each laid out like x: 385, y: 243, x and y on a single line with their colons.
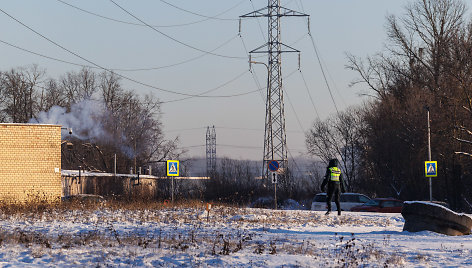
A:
x: 30, y: 162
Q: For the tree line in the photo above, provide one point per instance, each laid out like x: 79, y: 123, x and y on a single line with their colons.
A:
x: 427, y: 65
x: 120, y: 122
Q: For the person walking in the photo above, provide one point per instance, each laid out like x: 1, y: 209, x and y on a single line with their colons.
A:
x: 334, y: 180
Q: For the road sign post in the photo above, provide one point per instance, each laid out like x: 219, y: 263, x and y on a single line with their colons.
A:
x: 429, y: 156
x: 273, y: 166
x: 172, y: 171
x: 273, y: 176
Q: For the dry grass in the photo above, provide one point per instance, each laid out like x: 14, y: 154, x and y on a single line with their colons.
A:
x: 39, y: 206
x: 346, y: 251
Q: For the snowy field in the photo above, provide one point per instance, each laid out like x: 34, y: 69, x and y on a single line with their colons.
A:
x: 229, y: 237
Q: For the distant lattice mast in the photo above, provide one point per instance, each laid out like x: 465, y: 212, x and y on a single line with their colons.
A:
x: 211, y: 150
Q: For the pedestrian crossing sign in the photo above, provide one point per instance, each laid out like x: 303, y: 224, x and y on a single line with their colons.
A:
x: 431, y: 168
x: 173, y: 168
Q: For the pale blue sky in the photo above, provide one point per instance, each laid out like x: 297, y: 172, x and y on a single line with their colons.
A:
x: 338, y: 26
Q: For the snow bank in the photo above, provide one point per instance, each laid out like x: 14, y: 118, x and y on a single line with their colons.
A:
x: 434, y: 204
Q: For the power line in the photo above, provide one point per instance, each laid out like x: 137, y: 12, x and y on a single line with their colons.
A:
x: 201, y: 95
x: 178, y: 63
x: 309, y: 94
x: 239, y: 128
x: 200, y: 15
x: 227, y: 128
x: 234, y: 95
x: 333, y: 82
x: 215, y: 96
x: 118, y: 69
x: 323, y: 72
x: 226, y: 145
x: 252, y: 129
x: 241, y: 146
x: 254, y: 75
x: 293, y: 161
x: 140, y: 24
x: 120, y: 75
x: 185, y: 129
x: 45, y: 56
x: 299, y: 124
x: 88, y: 66
x: 294, y: 112
x: 319, y: 62
x: 191, y: 146
x: 172, y: 38
x: 258, y: 22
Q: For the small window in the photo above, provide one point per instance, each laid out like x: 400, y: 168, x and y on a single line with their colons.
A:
x: 363, y: 199
x: 320, y: 198
x: 388, y: 204
x: 350, y: 199
x: 398, y: 203
x: 372, y: 203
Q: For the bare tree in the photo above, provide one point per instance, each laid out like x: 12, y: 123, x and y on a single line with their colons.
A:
x: 51, y: 95
x: 339, y: 137
x: 111, y: 90
x: 78, y: 86
x: 19, y: 93
x: 419, y: 46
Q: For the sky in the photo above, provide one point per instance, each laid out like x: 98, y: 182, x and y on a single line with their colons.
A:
x: 171, y: 39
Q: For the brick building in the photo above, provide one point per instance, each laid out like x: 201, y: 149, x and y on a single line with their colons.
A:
x: 30, y: 162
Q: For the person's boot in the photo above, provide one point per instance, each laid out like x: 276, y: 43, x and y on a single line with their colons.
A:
x: 327, y: 212
x: 339, y: 212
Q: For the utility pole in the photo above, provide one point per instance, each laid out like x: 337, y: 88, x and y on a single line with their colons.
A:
x: 275, y: 138
x: 211, y: 150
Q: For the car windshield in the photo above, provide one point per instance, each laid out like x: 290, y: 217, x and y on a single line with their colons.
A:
x: 320, y: 198
x: 372, y: 203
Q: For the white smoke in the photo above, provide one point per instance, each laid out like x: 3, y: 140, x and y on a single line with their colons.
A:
x: 84, y: 118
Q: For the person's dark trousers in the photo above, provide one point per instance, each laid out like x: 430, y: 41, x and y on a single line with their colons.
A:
x: 334, y: 189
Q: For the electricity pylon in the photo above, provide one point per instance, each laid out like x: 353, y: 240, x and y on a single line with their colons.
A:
x: 275, y: 138
x: 211, y: 150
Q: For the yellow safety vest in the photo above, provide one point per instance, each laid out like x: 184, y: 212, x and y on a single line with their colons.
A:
x: 335, y: 173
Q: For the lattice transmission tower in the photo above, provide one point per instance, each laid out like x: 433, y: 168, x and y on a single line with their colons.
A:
x: 275, y: 139
x: 211, y: 150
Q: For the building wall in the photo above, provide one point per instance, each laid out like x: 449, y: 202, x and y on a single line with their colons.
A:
x: 129, y: 186
x: 30, y: 162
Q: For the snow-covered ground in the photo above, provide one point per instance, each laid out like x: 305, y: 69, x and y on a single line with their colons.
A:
x: 229, y: 237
